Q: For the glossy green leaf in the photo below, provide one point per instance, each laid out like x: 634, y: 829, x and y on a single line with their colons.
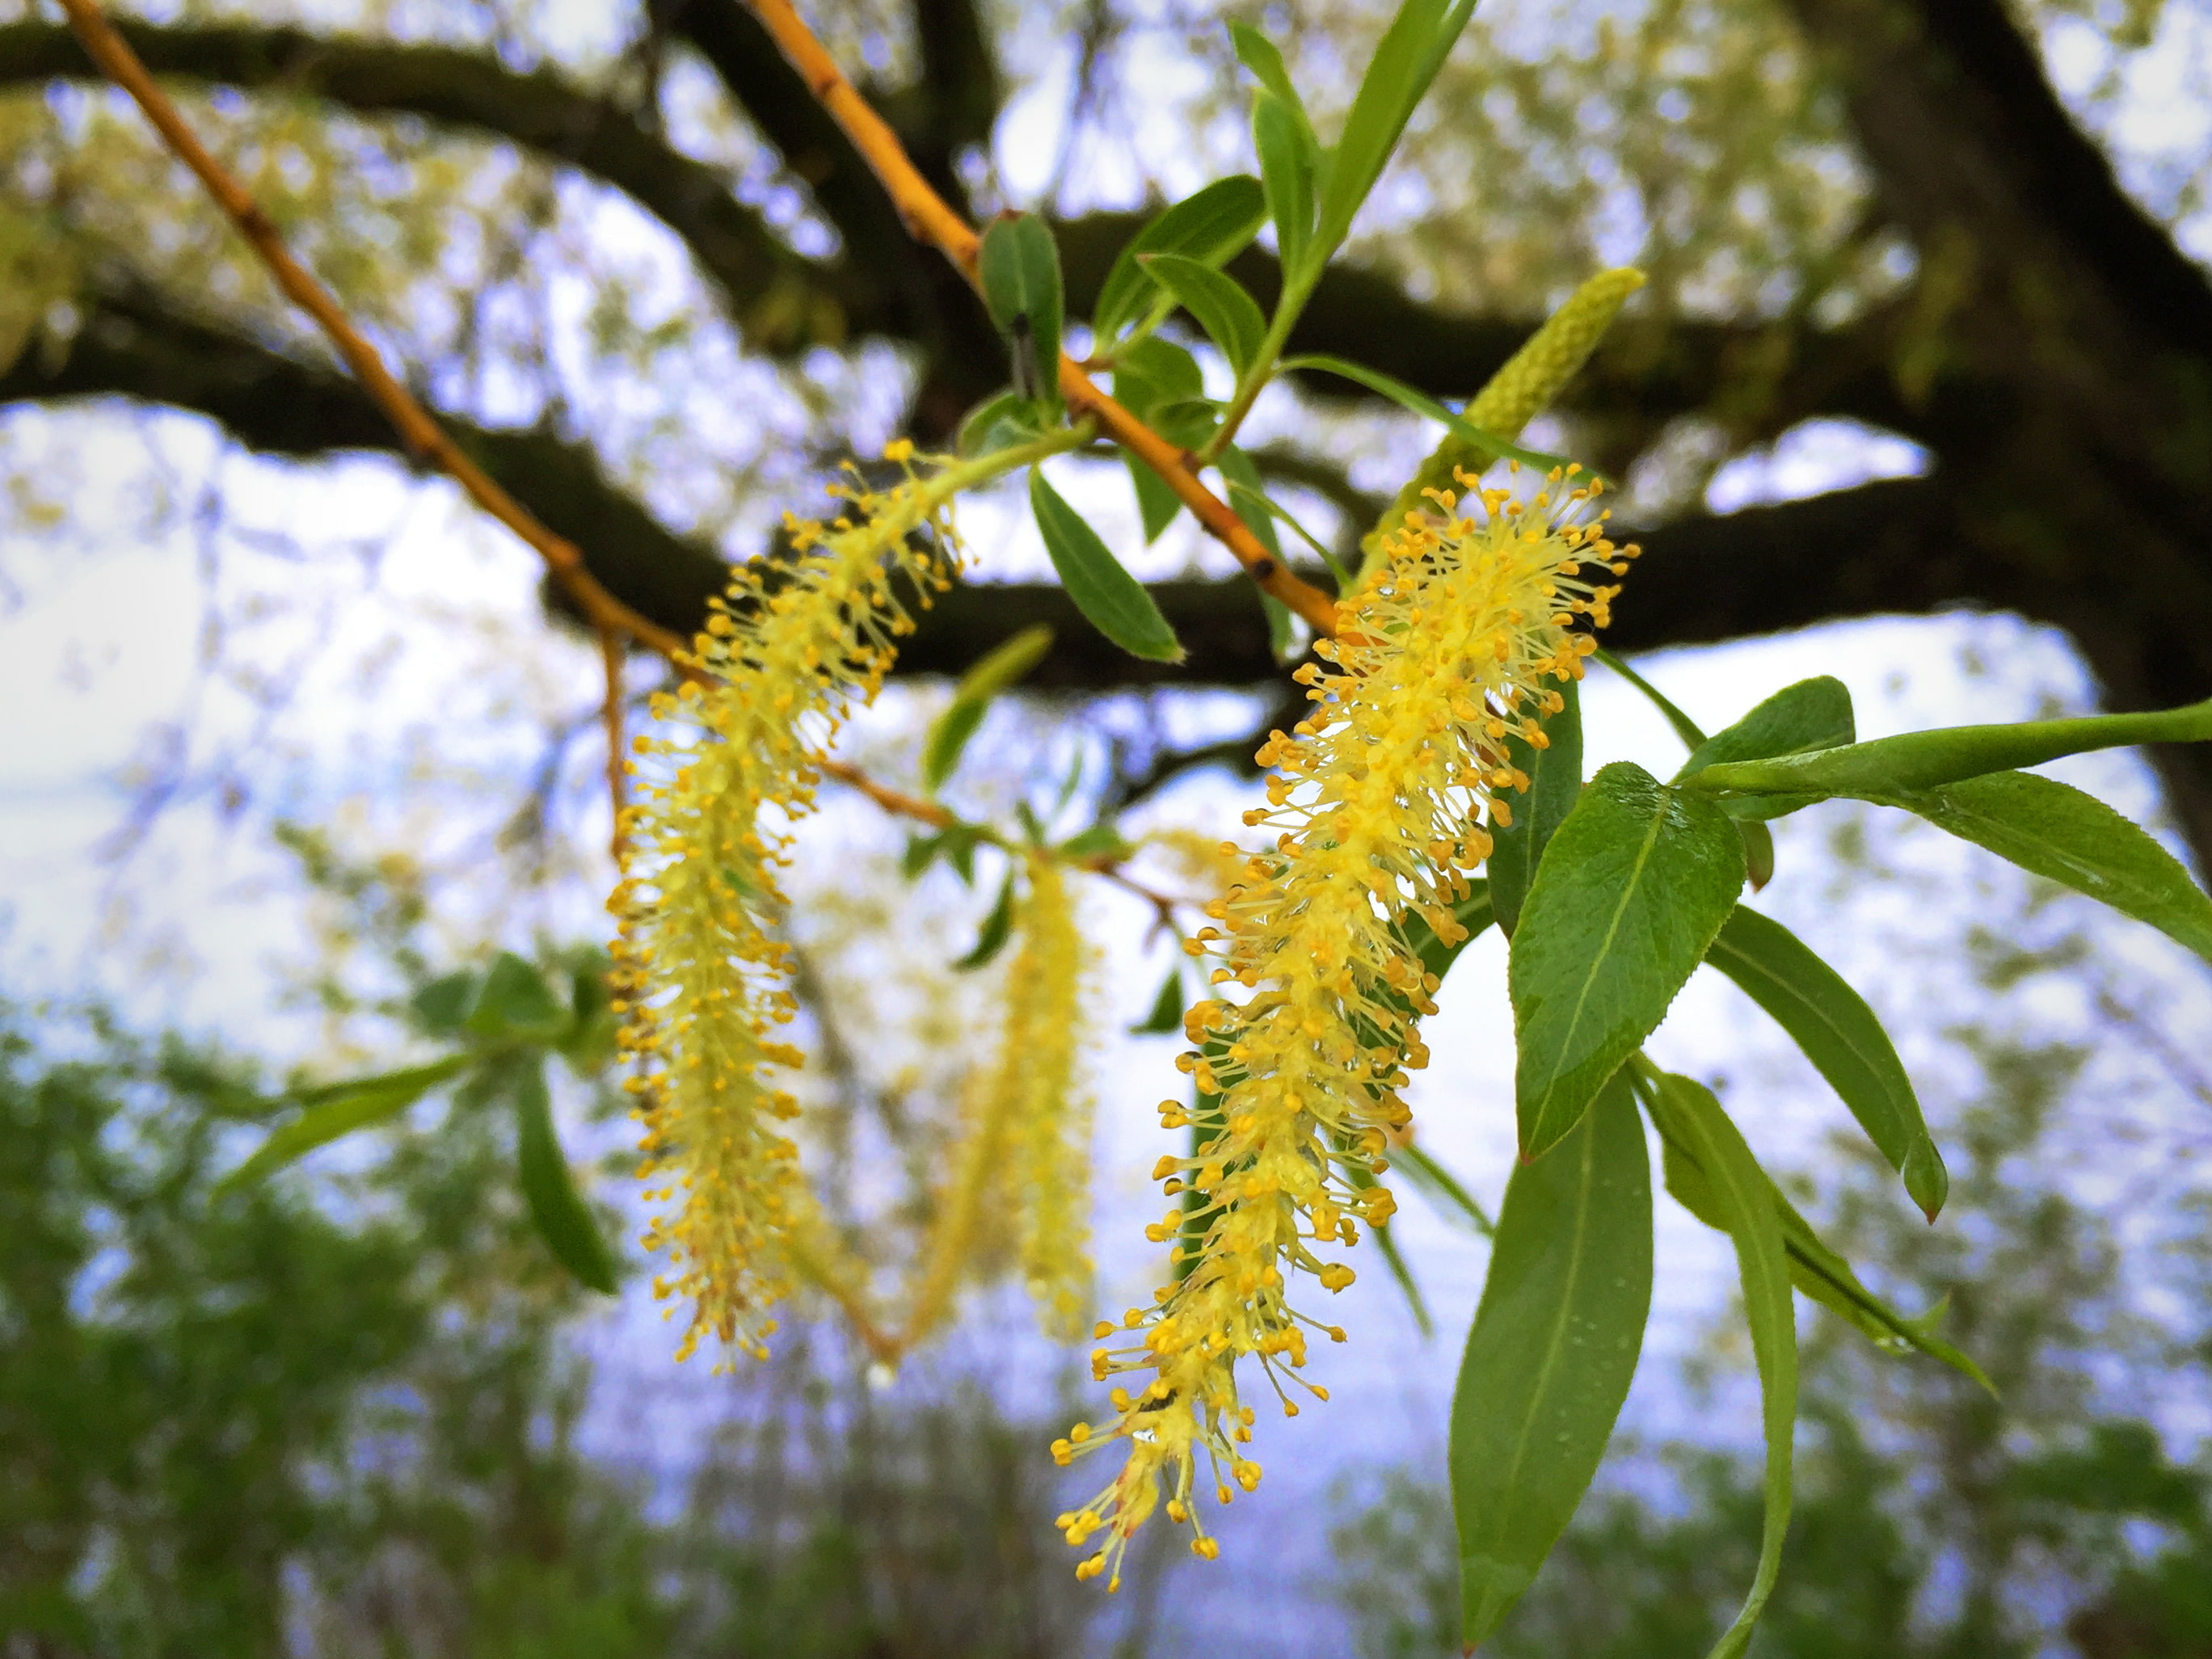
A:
x: 515, y: 1002
x: 1230, y: 316
x: 985, y: 679
x: 1928, y: 760
x: 1741, y: 1199
x: 1406, y: 60
x: 339, y: 1109
x: 1149, y: 374
x: 1100, y: 841
x: 997, y: 928
x: 564, y: 1221
x: 1166, y: 1016
x: 1113, y: 600
x: 1840, y: 1035
x: 1209, y: 225
x: 1286, y: 174
x: 1421, y: 404
x: 1555, y: 778
x: 1551, y: 1354
x: 2074, y: 839
x: 1815, y: 713
x: 1630, y: 892
x: 1019, y: 267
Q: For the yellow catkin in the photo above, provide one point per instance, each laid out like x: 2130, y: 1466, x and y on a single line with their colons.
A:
x: 1023, y: 1163
x: 1051, y: 1164
x: 703, y: 980
x: 1451, y: 651
x: 1518, y: 392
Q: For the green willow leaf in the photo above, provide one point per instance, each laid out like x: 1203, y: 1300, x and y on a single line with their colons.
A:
x: 1231, y: 317
x: 2067, y: 837
x: 1113, y: 600
x: 515, y: 1002
x: 1824, y: 1276
x: 1406, y: 60
x: 1441, y: 1186
x: 1843, y: 1038
x: 1419, y: 403
x: 1387, y: 1242
x: 339, y: 1109
x: 986, y: 678
x: 1000, y: 423
x: 1167, y: 1008
x: 1742, y: 1205
x: 1259, y: 54
x: 1928, y: 760
x: 1633, y: 888
x: 1019, y: 268
x: 1555, y: 778
x: 1815, y: 713
x: 1758, y: 840
x: 440, y: 1006
x: 1209, y: 225
x: 1688, y: 730
x: 1284, y: 145
x: 1551, y: 1353
x: 997, y: 928
x: 563, y: 1219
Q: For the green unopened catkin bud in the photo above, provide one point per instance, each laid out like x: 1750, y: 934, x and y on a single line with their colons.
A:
x: 1531, y: 378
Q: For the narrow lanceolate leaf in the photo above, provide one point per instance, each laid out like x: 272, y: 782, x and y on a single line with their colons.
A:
x: 997, y: 928
x: 1230, y: 316
x: 1209, y: 227
x: 1815, y: 713
x: 1551, y: 1351
x: 1114, y: 601
x: 1286, y: 172
x: 1405, y: 61
x: 339, y: 1109
x: 2074, y: 839
x: 1633, y: 888
x: 1020, y: 270
x: 1928, y: 760
x: 1445, y: 1189
x: 1149, y: 374
x: 1167, y: 1008
x: 1840, y: 1035
x: 971, y: 699
x: 1555, y: 778
x: 563, y: 1218
x: 1815, y: 1269
x: 1742, y: 1203
x: 1421, y: 404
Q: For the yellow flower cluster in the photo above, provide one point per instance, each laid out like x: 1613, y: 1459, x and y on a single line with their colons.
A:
x: 1040, y: 1063
x: 1442, y: 657
x: 702, y: 977
x: 1023, y: 1166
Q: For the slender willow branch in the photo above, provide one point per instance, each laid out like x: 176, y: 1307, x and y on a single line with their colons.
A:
x: 422, y: 435
x: 932, y: 221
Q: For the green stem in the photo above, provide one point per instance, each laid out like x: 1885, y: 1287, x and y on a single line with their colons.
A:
x: 1254, y: 381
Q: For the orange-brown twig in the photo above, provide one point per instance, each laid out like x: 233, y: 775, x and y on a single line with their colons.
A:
x: 611, y: 716
x: 932, y: 221
x: 422, y: 435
